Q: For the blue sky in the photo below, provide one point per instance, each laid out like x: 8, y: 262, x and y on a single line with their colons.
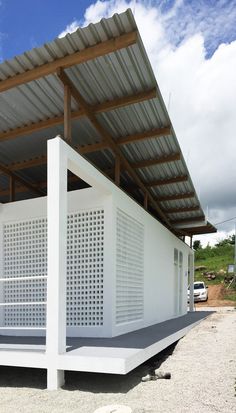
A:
x: 25, y: 24
x: 192, y: 48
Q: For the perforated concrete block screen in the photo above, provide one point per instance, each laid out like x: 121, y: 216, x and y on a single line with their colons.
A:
x: 129, y: 269
x: 85, y: 253
x: 25, y: 255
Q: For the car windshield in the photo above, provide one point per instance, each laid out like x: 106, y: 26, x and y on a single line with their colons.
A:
x: 198, y: 286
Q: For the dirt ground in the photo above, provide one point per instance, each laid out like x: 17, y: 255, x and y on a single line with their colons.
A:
x: 203, y: 374
x: 215, y: 297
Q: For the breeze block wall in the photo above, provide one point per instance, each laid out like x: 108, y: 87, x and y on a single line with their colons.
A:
x: 24, y: 264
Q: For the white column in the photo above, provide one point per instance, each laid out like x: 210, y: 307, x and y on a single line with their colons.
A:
x: 191, y: 281
x: 57, y: 244
x: 2, y: 284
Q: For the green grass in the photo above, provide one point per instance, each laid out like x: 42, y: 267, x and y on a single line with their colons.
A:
x: 215, y: 259
x: 230, y: 295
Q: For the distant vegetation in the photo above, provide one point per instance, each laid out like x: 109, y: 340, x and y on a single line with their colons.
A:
x: 215, y: 260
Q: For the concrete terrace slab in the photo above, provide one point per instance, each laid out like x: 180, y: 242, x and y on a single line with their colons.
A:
x: 117, y: 355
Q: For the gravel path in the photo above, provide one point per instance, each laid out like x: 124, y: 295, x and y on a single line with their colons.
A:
x: 202, y: 365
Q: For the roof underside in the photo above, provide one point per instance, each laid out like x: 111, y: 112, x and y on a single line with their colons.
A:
x: 140, y: 127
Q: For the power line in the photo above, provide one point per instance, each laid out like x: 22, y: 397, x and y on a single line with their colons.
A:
x: 227, y: 220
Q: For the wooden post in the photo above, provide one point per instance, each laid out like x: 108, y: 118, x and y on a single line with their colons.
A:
x: 117, y: 170
x: 12, y: 189
x: 146, y: 200
x: 67, y: 113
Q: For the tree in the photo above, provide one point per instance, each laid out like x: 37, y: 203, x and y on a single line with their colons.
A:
x: 230, y: 240
x: 197, y: 245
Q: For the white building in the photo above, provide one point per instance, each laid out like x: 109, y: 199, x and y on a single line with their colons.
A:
x: 106, y: 259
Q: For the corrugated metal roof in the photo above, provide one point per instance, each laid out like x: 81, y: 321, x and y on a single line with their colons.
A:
x: 122, y: 73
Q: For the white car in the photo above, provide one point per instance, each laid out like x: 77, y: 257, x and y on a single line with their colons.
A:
x: 200, y: 291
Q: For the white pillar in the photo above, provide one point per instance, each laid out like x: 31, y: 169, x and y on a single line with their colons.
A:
x: 2, y: 284
x: 57, y: 244
x: 191, y: 281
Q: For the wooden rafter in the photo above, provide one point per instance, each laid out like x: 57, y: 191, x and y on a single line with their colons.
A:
x: 28, y: 163
x: 67, y: 113
x: 22, y: 181
x: 176, y: 197
x: 117, y: 170
x: 200, y: 230
x: 78, y: 114
x: 157, y: 161
x: 108, y: 138
x: 82, y: 56
x: 22, y: 188
x: 154, y: 133
x: 179, y: 210
x: 160, y: 182
x: 145, y: 201
x: 12, y: 189
x: 188, y: 220
x: 125, y: 101
x: 40, y: 160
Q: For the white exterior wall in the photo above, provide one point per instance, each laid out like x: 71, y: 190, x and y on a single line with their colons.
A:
x: 160, y: 286
x: 149, y: 292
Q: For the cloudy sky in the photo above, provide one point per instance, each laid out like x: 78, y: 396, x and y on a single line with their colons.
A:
x: 192, y: 48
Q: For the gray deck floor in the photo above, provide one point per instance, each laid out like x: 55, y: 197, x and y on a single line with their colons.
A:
x: 138, y: 339
x: 117, y: 355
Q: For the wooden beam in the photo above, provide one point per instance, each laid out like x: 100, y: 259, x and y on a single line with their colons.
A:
x: 145, y: 203
x: 23, y: 188
x: 188, y: 220
x: 204, y: 229
x: 67, y: 114
x: 42, y: 160
x: 38, y: 160
x: 17, y: 178
x: 179, y: 210
x: 108, y: 138
x: 125, y: 101
x: 58, y: 120
x: 154, y: 133
x: 19, y: 189
x: 82, y: 56
x: 94, y: 147
x: 117, y: 170
x: 157, y: 161
x: 12, y: 189
x: 161, y: 182
x: 175, y: 197
x: 33, y: 127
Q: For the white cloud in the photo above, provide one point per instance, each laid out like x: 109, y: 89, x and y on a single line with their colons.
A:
x: 200, y: 83
x: 70, y: 28
x: 212, y: 239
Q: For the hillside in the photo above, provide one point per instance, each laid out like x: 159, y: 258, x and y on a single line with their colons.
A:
x: 215, y: 260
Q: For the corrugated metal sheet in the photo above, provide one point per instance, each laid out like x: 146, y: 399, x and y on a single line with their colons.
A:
x: 121, y: 73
